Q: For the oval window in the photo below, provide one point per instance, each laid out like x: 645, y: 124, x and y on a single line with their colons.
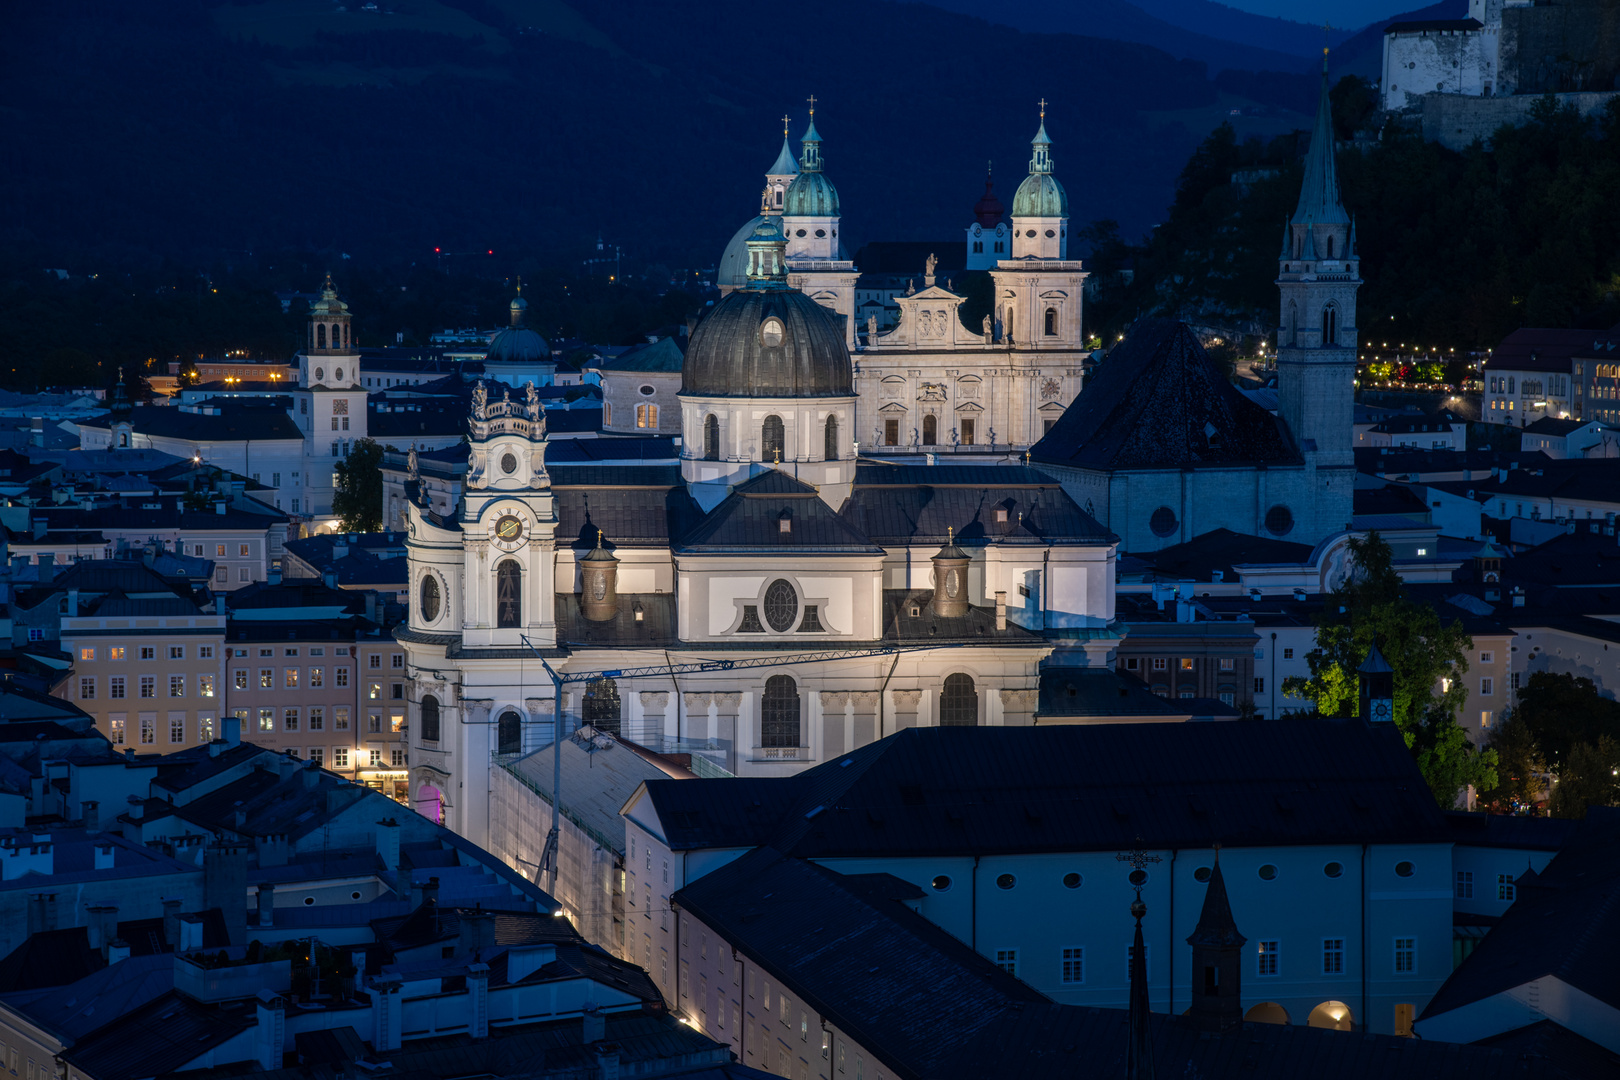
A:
x: 320, y: 373
x: 1201, y: 874
x: 309, y: 901
x: 1072, y: 881
x: 799, y: 233
x: 821, y: 232
x: 941, y: 883
x: 647, y: 391
x: 1049, y: 232
x: 430, y: 598
x: 338, y: 374
x: 508, y: 464
x: 1030, y: 233
x: 1006, y: 881
x: 354, y: 896
x: 770, y: 333
x: 781, y: 606
x: 1268, y: 872
x: 1404, y: 869
x: 1334, y: 869
x: 1163, y: 522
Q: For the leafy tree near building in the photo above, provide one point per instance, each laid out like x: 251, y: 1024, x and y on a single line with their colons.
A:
x: 1428, y: 656
x: 357, y: 501
x: 1590, y: 777
x: 1563, y: 711
x: 1521, y: 767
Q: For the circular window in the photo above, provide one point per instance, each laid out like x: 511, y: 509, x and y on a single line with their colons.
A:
x: 1268, y: 872
x: 1138, y: 877
x: 799, y: 233
x: 646, y: 391
x: 1201, y: 874
x: 1049, y: 232
x: 508, y: 464
x: 1404, y: 869
x: 1072, y: 881
x: 821, y: 232
x: 1334, y: 869
x: 1163, y: 522
x: 309, y: 901
x: 320, y: 373
x: 1006, y: 881
x: 354, y: 895
x: 430, y: 598
x: 1279, y: 520
x: 781, y: 606
x: 941, y: 883
x: 770, y: 333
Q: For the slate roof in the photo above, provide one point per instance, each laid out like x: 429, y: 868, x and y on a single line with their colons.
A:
x: 664, y: 355
x: 950, y: 790
x: 898, y: 504
x: 1552, y: 425
x: 1102, y: 693
x: 977, y: 626
x: 1534, y: 348
x: 596, y: 784
x: 1158, y: 402
x: 1224, y: 550
x: 887, y: 977
x: 1565, y: 924
x: 660, y: 448
x: 1510, y: 830
x: 749, y: 520
x: 634, y: 506
x: 238, y: 420
x: 155, y: 1038
x: 428, y: 417
x: 656, y: 628
x: 50, y: 958
x: 74, y: 1010
x: 1416, y: 26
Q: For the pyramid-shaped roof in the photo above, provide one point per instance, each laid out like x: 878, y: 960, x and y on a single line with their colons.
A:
x: 1158, y: 401
x: 1216, y: 926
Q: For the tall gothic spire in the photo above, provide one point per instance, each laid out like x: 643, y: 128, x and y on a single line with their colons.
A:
x: 1216, y: 968
x: 1319, y: 201
x: 1139, y: 1051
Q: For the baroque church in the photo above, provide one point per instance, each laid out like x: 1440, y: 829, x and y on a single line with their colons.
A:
x: 932, y: 384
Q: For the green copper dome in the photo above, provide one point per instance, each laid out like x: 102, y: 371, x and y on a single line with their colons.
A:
x: 1040, y: 195
x: 811, y: 194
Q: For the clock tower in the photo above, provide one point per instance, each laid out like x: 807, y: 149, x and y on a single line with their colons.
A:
x: 1377, y: 688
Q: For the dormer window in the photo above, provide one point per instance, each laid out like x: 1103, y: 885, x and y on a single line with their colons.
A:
x: 784, y: 524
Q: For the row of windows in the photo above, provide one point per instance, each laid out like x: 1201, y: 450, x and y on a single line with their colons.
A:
x: 1465, y: 886
x: 772, y: 436
x: 314, y: 719
x: 118, y: 686
x: 147, y: 726
x: 364, y: 759
x: 147, y: 652
x: 291, y: 678
x: 1268, y: 957
x: 1185, y: 663
x: 965, y: 433
x: 646, y: 415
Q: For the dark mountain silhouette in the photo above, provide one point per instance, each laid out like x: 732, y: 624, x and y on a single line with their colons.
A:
x: 1215, y: 20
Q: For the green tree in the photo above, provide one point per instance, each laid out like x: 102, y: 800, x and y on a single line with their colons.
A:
x: 1520, y: 764
x: 1590, y: 777
x: 358, y: 499
x: 1428, y: 657
x: 1563, y: 711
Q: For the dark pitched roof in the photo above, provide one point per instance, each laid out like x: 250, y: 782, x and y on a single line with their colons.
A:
x: 893, y: 981
x: 1158, y: 402
x: 977, y: 625
x: 664, y: 355
x: 1015, y: 789
x: 158, y: 1037
x: 897, y: 504
x: 1510, y: 830
x: 1100, y: 692
x: 1533, y: 348
x: 629, y: 448
x: 1216, y: 926
x: 633, y: 506
x: 751, y: 517
x: 1221, y: 549
x: 1552, y: 425
x: 655, y: 629
x: 237, y: 420
x: 1565, y: 924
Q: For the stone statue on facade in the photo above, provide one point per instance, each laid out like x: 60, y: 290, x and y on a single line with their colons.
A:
x: 480, y: 399
x: 871, y: 329
x: 928, y: 269
x: 985, y: 326
x: 533, y: 397
x: 413, y: 467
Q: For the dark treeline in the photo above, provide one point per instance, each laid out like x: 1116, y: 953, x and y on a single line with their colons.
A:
x: 1457, y: 249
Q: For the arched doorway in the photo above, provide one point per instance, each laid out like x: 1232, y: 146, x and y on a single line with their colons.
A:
x: 1332, y: 1014
x: 430, y: 803
x: 959, y: 701
x: 509, y: 733
x: 1267, y: 1012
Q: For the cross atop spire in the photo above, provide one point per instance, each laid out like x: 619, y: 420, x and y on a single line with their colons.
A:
x: 1043, y: 108
x: 786, y: 120
x: 812, y: 106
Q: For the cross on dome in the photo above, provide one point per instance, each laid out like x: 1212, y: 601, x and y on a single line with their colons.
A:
x: 812, y: 106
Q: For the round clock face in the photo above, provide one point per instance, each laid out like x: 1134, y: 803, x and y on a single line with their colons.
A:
x: 508, y: 530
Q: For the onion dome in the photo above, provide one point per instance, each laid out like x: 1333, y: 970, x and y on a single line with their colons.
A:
x: 517, y: 343
x: 988, y: 210
x: 1040, y: 195
x: 766, y: 340
x: 811, y: 194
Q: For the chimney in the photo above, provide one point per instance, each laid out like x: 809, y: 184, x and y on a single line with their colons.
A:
x: 230, y: 728
x: 137, y: 806
x: 270, y: 1036
x: 171, y: 921
x: 267, y: 904
x: 386, y: 1014
x: 191, y: 934
x: 1001, y: 609
x: 36, y: 431
x: 219, y: 604
x: 595, y: 1023
x: 386, y: 838
x: 477, y: 932
x: 430, y: 891
x: 329, y: 579
x: 271, y: 849
x: 101, y: 926
x: 47, y: 567
x: 607, y: 1061
x: 1299, y: 596
x: 225, y: 887
x: 478, y: 1001
x: 90, y: 815
x: 73, y: 603
x: 117, y: 949
x: 371, y: 605
x: 357, y: 959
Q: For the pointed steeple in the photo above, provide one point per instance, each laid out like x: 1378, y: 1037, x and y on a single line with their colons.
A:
x: 1139, y: 1050
x: 1217, y: 999
x: 810, y: 157
x: 1319, y: 201
x: 1288, y: 241
x: 785, y: 163
x: 1040, y: 161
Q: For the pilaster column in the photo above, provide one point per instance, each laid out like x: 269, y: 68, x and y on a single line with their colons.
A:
x: 697, y: 715
x: 726, y: 707
x: 540, y: 728
x: 654, y: 709
x: 905, y: 708
x: 864, y: 704
x: 834, y: 721
x: 1018, y: 707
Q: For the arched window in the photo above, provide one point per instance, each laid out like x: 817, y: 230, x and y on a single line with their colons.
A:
x: 711, y: 438
x: 320, y: 335
x: 1330, y: 246
x: 430, y: 718
x: 959, y: 702
x: 1330, y: 325
x: 930, y: 430
x: 830, y: 439
x: 779, y: 712
x: 345, y: 335
x: 773, y: 438
x: 1293, y: 323
x: 509, y: 733
x: 602, y: 709
x: 1051, y: 322
x: 1510, y: 384
x: 508, y: 595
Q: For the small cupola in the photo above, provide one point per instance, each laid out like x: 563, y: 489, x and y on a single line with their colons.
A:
x: 599, y: 583
x: 1377, y: 687
x: 1488, y: 564
x: 950, y: 578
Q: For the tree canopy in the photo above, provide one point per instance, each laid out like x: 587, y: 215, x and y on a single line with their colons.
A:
x: 357, y: 501
x: 1429, y: 657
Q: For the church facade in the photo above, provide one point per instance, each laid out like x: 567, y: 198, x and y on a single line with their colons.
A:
x: 770, y: 603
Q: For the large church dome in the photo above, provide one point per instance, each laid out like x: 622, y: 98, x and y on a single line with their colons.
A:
x: 517, y: 343
x: 772, y: 343
x: 733, y: 271
x: 811, y: 195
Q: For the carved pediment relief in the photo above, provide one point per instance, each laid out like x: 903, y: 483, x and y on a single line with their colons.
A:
x: 893, y: 407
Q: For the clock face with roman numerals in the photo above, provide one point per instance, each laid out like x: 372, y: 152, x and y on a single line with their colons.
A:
x: 507, y: 532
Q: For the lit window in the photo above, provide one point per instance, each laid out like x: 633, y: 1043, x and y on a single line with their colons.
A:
x: 87, y: 654
x: 267, y: 678
x: 267, y: 719
x: 177, y: 686
x: 115, y: 653
x: 205, y: 686
x: 340, y: 757
x: 1266, y: 958
x: 1186, y: 664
